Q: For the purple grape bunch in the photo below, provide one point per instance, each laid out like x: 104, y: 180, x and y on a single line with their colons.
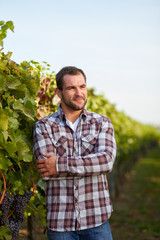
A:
x: 12, y: 209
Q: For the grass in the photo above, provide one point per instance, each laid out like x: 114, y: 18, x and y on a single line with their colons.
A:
x: 136, y: 213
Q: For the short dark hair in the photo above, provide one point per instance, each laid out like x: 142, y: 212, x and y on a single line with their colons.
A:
x: 67, y: 70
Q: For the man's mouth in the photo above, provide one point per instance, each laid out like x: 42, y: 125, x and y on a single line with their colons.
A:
x: 78, y: 98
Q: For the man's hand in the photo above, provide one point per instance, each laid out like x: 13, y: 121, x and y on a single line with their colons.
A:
x: 47, y: 166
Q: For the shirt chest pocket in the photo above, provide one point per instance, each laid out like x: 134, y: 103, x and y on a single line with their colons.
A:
x: 61, y: 146
x: 88, y: 144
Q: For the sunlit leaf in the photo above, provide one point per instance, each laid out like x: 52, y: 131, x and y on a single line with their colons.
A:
x: 3, y: 120
x: 14, y: 123
x: 17, y: 105
x: 1, y: 43
x: 17, y: 185
x: 8, y: 55
x: 10, y: 147
x: 4, y: 161
x: 5, y: 135
x: 2, y: 82
x: 28, y: 157
x: 3, y: 66
x: 19, y: 91
x: 22, y: 149
x: 10, y: 25
x: 12, y: 82
x: 1, y: 23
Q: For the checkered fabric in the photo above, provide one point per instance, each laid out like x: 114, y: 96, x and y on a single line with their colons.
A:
x: 78, y: 197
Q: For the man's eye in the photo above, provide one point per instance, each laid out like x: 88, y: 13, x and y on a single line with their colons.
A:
x: 69, y: 88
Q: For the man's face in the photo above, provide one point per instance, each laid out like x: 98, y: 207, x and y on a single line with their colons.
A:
x: 74, y: 93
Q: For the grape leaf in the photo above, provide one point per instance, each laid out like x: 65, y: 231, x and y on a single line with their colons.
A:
x: 4, y: 161
x: 3, y: 120
x: 12, y: 82
x: 10, y: 147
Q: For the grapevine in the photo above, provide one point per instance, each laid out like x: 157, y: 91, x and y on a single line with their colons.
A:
x: 19, y: 85
x: 4, y: 190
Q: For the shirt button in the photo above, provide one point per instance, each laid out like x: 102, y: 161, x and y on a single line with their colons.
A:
x: 76, y: 188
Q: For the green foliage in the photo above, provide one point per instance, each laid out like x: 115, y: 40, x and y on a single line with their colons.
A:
x: 4, y: 28
x: 19, y: 84
x: 5, y: 233
x: 131, y: 136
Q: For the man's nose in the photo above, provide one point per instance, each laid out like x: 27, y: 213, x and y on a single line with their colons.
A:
x: 78, y: 91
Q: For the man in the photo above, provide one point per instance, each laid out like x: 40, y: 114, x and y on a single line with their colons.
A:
x: 74, y: 149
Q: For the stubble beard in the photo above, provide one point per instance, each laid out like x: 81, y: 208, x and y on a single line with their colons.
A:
x: 72, y: 105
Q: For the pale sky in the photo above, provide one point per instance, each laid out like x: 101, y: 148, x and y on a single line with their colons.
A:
x: 116, y: 43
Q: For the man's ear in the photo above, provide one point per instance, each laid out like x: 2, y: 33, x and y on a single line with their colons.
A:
x: 56, y: 99
x: 58, y: 92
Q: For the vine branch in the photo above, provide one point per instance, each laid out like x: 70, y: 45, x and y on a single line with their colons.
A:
x: 4, y: 188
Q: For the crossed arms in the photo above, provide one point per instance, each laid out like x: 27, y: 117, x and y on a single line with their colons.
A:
x: 49, y: 164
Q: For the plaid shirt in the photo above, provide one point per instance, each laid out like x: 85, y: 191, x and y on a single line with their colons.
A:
x: 78, y: 197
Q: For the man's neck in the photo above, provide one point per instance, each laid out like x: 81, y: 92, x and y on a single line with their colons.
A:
x: 71, y: 115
